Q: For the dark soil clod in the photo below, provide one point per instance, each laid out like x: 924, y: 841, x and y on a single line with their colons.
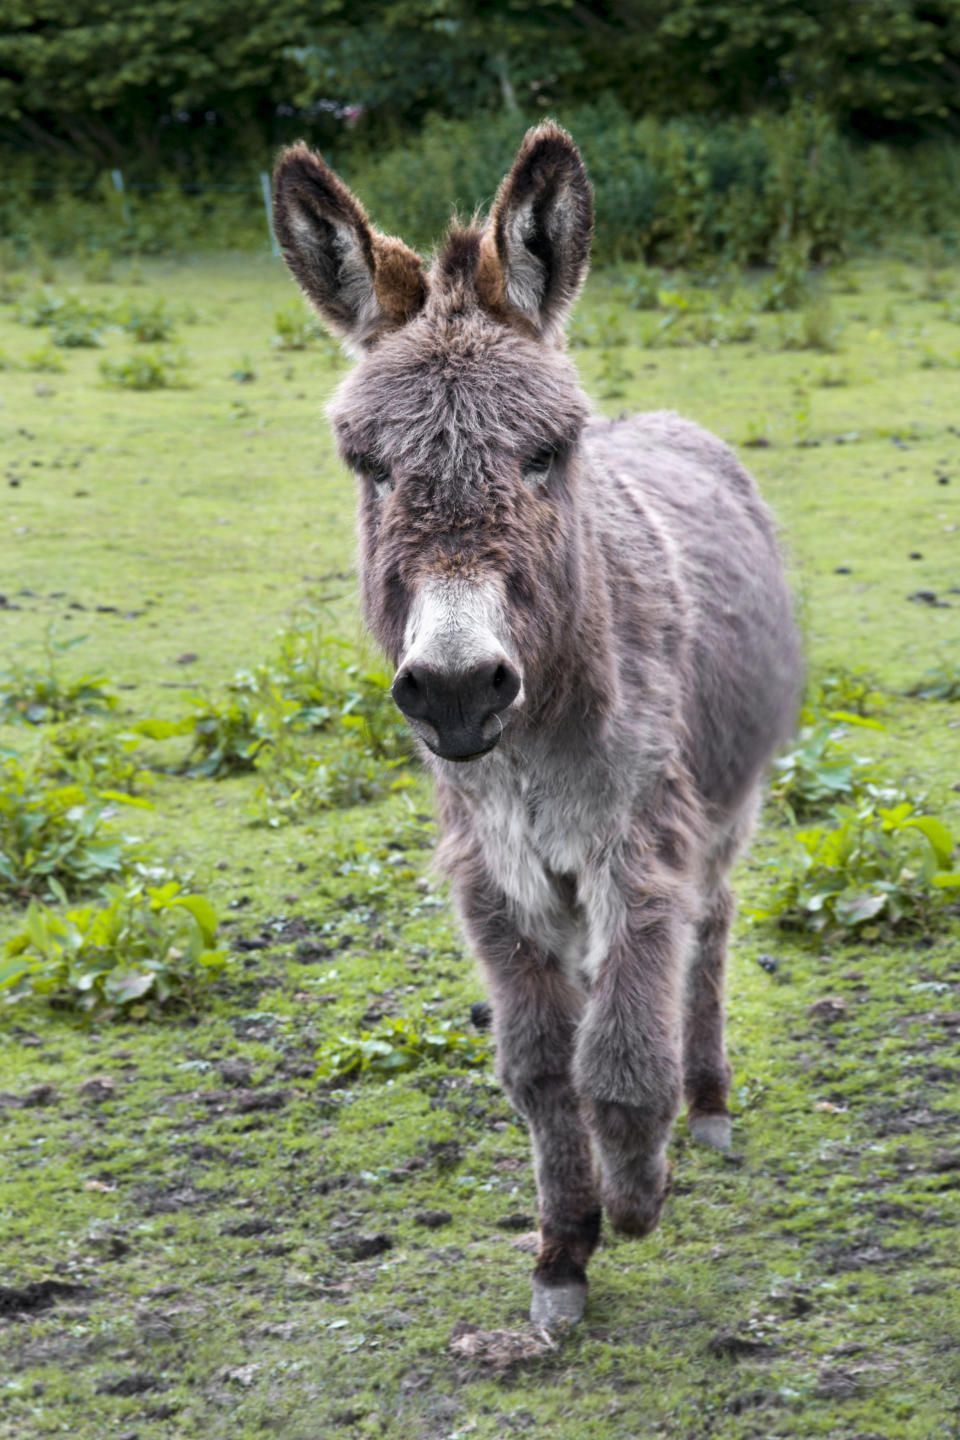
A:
x: 362, y: 1247
x: 37, y: 1295
x: 432, y: 1219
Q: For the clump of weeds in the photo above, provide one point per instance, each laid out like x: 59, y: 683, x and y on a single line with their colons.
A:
x: 877, y: 870
x: 146, y: 370
x: 55, y: 838
x: 38, y: 695
x: 396, y: 1046
x: 148, y: 949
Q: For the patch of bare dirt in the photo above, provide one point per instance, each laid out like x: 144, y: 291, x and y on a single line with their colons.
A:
x: 37, y: 1295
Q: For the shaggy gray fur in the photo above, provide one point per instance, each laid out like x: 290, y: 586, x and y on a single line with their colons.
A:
x: 625, y: 576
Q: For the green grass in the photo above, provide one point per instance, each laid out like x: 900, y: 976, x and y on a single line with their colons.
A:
x: 207, y: 1193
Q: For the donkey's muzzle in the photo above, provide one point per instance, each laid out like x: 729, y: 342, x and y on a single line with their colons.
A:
x: 457, y: 713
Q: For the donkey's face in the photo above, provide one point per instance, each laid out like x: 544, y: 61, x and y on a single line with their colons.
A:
x: 462, y: 424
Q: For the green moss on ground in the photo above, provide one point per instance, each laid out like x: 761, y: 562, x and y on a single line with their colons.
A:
x: 207, y: 1200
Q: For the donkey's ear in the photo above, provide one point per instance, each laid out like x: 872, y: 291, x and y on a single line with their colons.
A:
x: 538, y: 233
x: 362, y: 283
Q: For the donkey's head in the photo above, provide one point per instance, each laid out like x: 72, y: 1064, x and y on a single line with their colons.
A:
x: 462, y: 424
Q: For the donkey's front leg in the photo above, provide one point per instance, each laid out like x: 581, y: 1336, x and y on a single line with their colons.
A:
x: 628, y: 1066
x: 535, y: 1012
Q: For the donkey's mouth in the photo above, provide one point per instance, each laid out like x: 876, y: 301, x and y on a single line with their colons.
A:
x: 462, y: 759
x: 460, y: 746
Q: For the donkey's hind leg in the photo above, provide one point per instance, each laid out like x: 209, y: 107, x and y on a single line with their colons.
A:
x: 706, y: 1069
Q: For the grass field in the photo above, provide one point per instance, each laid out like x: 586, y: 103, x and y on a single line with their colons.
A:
x: 199, y: 1241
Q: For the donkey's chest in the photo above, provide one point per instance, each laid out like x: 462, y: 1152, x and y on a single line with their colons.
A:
x: 539, y: 843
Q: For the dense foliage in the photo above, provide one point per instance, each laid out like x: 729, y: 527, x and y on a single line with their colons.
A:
x: 131, y: 84
x: 771, y: 188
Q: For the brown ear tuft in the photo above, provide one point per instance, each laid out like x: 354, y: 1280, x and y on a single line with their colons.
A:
x: 399, y: 281
x: 361, y: 282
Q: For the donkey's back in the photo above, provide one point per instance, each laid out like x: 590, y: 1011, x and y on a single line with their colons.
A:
x: 739, y: 675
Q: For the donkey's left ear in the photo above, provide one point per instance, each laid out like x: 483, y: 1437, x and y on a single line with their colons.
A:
x: 536, y: 243
x: 363, y: 283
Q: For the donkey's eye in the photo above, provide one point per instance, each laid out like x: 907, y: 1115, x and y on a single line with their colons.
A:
x: 379, y: 477
x: 537, y: 467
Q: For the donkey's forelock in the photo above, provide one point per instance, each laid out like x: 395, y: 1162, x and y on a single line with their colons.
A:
x: 457, y: 401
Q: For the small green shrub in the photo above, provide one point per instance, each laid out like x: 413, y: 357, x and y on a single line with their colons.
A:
x: 147, y: 321
x: 942, y: 683
x: 396, y: 1046
x: 819, y: 772
x: 789, y: 286
x: 149, y: 949
x: 39, y: 695
x: 44, y: 361
x: 313, y: 683
x: 243, y: 372
x: 641, y: 289
x: 877, y: 871
x: 98, y: 267
x: 229, y: 734
x: 733, y: 326
x: 146, y: 370
x: 296, y: 785
x: 815, y: 328
x: 55, y: 840
x: 96, y: 756
x: 76, y: 334
x: 602, y: 328
x: 74, y: 321
x: 612, y: 376
x: 320, y: 676
x: 295, y: 328
x: 12, y: 286
x: 854, y: 693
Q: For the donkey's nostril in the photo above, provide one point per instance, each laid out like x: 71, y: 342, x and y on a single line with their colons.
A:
x: 410, y: 694
x: 496, y: 685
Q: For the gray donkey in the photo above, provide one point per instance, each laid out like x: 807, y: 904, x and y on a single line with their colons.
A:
x: 594, y: 645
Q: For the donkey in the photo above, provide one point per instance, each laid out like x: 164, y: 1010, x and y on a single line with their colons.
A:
x: 595, y: 648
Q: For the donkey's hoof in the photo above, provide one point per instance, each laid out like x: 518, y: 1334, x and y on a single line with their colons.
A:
x: 715, y: 1130
x: 555, y: 1305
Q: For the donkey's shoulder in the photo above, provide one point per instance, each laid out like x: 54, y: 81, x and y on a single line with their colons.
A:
x: 671, y: 438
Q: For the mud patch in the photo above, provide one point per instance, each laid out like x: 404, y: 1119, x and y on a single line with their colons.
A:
x: 37, y: 1295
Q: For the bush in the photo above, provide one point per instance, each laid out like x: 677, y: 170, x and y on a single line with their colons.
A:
x: 55, y: 840
x: 295, y: 328
x: 45, y: 361
x: 96, y: 757
x: 943, y: 683
x: 295, y: 785
x: 146, y: 370
x: 879, y: 870
x: 769, y: 189
x: 229, y: 734
x: 819, y: 772
x: 396, y: 1046
x: 41, y: 695
x: 147, y: 322
x: 149, y: 949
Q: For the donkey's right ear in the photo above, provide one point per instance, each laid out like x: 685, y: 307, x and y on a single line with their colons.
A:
x: 362, y: 283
